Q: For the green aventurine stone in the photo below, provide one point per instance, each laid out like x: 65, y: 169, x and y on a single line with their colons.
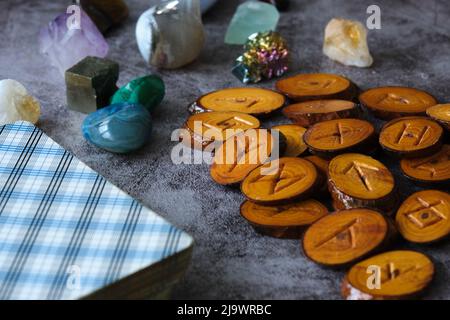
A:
x: 251, y: 17
x: 91, y: 83
x: 104, y: 13
x: 147, y: 91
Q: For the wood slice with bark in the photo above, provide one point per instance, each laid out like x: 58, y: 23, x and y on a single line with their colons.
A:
x: 254, y: 101
x: 391, y: 275
x: 357, y: 181
x: 393, y: 102
x: 346, y: 236
x: 241, y: 154
x: 283, y: 221
x: 281, y: 181
x: 309, y: 113
x: 424, y: 216
x: 208, y: 127
x: 322, y: 168
x: 331, y: 138
x: 293, y: 134
x: 432, y: 170
x: 411, y: 137
x: 317, y: 86
x: 441, y: 114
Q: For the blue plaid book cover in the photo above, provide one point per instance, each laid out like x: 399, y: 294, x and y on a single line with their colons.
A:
x: 66, y: 232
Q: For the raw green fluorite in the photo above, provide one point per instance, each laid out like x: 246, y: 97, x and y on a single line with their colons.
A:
x: 147, y: 91
x: 251, y: 17
x: 91, y: 83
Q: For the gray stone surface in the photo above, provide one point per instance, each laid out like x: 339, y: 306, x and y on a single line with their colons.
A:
x: 230, y: 260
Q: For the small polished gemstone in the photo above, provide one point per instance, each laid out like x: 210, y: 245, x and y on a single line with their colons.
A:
x: 251, y: 17
x: 91, y: 83
x: 345, y: 41
x: 170, y: 35
x: 147, y: 91
x: 16, y: 104
x: 104, y: 13
x: 65, y: 43
x: 119, y: 128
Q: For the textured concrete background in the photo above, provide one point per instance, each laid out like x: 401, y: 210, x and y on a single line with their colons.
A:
x: 230, y: 260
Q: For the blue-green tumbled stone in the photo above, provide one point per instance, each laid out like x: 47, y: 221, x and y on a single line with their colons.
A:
x: 147, y: 91
x: 119, y: 128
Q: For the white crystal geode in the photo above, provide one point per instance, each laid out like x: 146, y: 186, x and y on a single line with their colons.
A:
x: 16, y: 104
x: 170, y: 35
x: 345, y: 41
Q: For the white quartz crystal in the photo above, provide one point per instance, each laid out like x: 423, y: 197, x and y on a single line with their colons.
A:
x: 16, y: 104
x: 346, y: 42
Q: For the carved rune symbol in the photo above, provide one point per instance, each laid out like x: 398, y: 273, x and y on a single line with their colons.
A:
x: 281, y: 179
x: 427, y: 214
x: 338, y: 134
x: 390, y: 272
x: 360, y: 171
x: 344, y: 237
x: 393, y: 98
x: 406, y: 132
x: 244, y: 101
x: 431, y: 163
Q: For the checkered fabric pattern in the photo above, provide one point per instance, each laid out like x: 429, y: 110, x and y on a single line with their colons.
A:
x: 65, y: 231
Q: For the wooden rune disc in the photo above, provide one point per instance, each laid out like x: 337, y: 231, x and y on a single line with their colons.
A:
x: 394, y: 102
x: 322, y: 168
x: 295, y: 145
x: 207, y: 127
x: 345, y: 236
x: 429, y: 170
x: 315, y: 86
x: 311, y: 112
x: 255, y: 101
x: 411, y: 137
x: 283, y: 221
x: 241, y: 154
x: 441, y: 114
x: 389, y: 276
x: 356, y: 180
x: 280, y: 181
x: 424, y: 216
x: 333, y: 137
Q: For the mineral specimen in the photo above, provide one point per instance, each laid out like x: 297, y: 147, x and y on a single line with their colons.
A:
x: 147, y: 91
x: 118, y: 128
x: 105, y: 13
x: 251, y: 17
x: 170, y: 35
x: 346, y: 42
x: 16, y: 104
x: 266, y: 55
x: 67, y: 43
x: 91, y: 83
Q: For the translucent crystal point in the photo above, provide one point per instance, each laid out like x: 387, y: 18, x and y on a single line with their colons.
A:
x: 16, y: 104
x: 65, y: 44
x: 346, y: 42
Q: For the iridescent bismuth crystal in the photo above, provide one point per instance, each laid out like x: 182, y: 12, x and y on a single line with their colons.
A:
x: 266, y: 56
